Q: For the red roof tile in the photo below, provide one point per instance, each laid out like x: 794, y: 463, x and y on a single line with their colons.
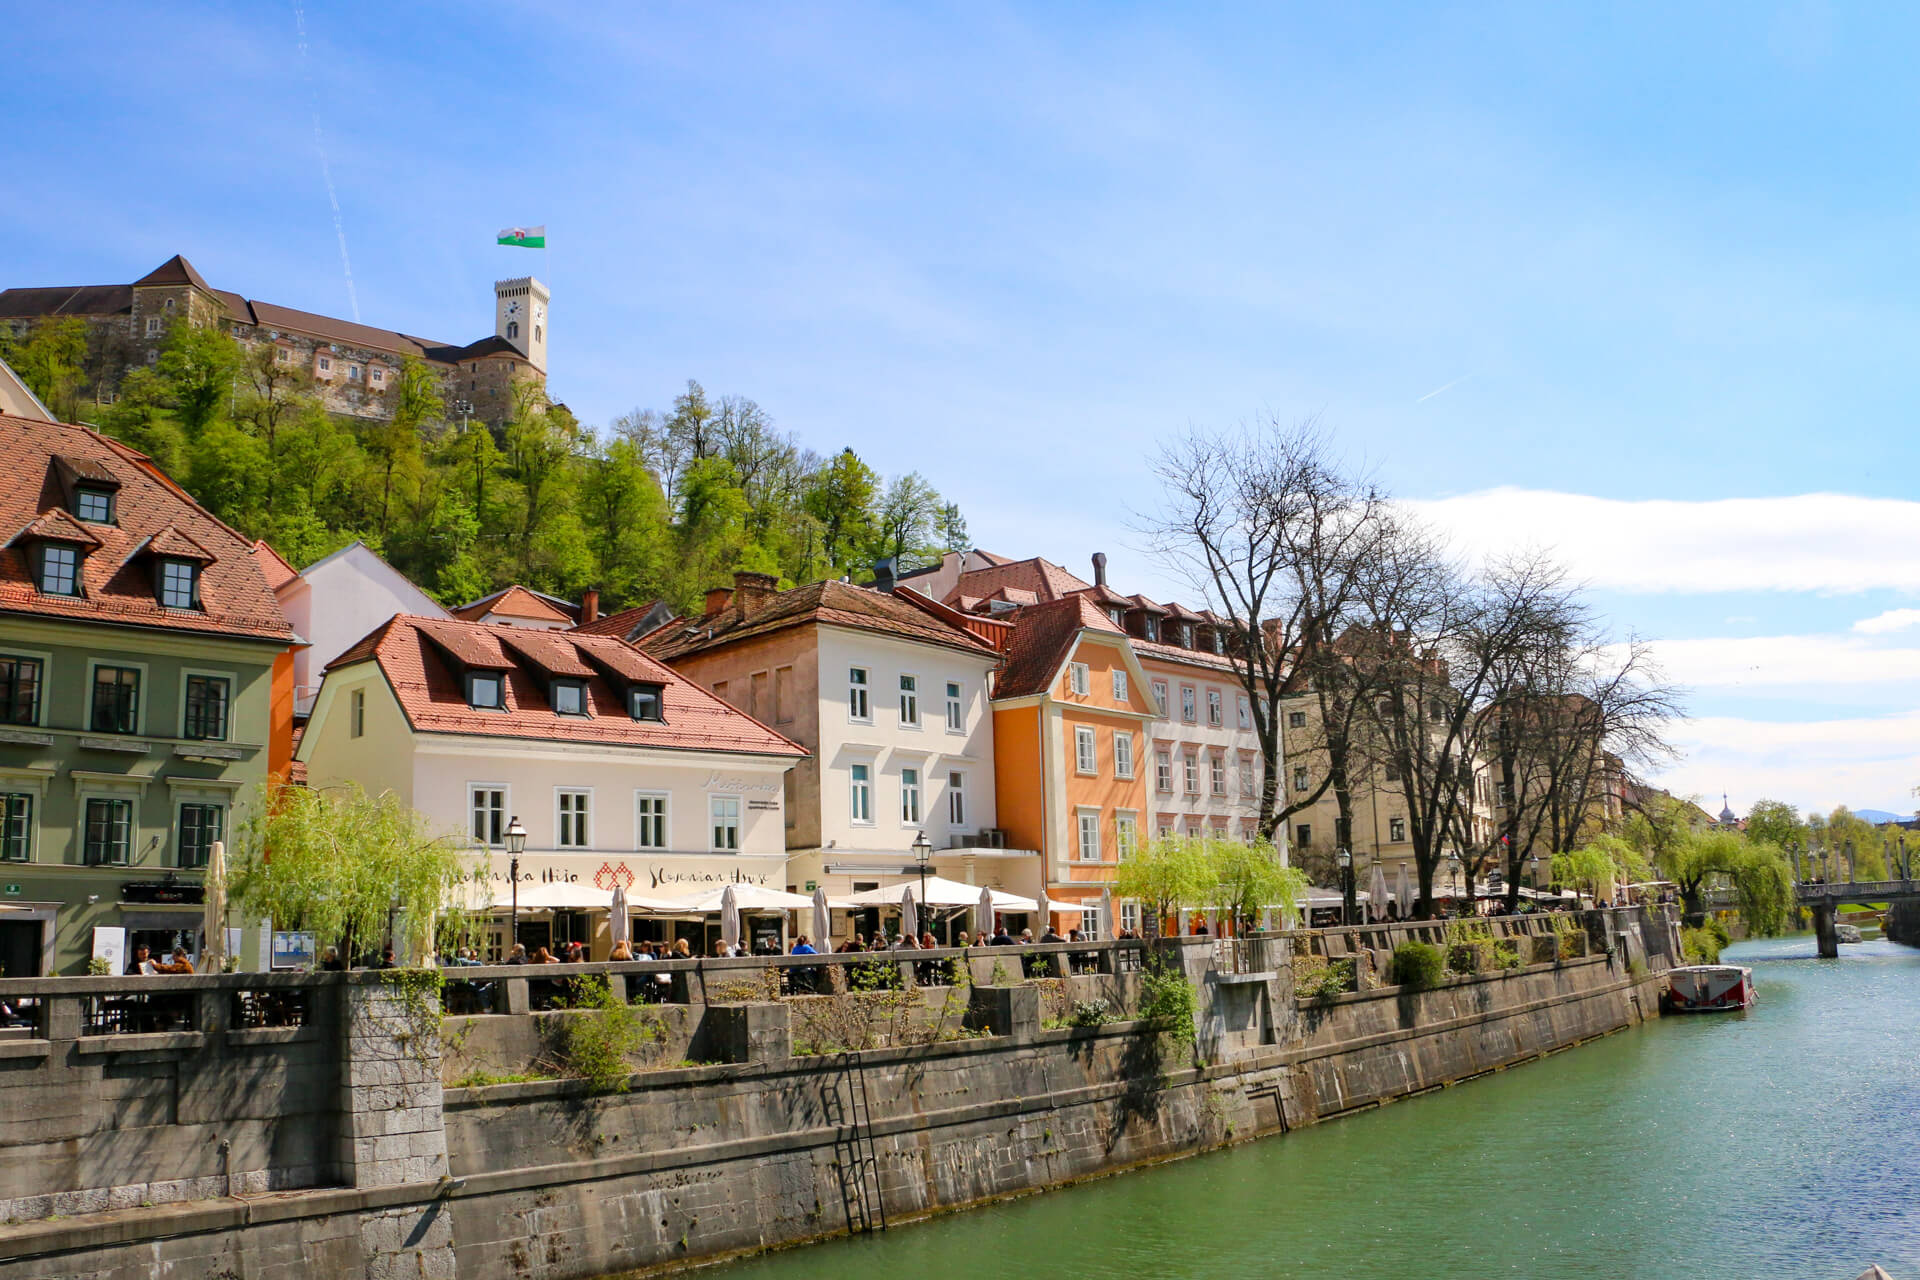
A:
x: 175, y: 270
x: 117, y: 586
x: 175, y: 545
x: 1044, y: 579
x: 832, y: 602
x: 56, y: 526
x: 513, y: 602
x: 413, y: 655
x: 278, y: 572
x: 1043, y: 635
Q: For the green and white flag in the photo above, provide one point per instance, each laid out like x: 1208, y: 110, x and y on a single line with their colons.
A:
x: 524, y: 237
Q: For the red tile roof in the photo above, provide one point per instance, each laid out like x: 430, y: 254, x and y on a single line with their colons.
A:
x: 56, y: 526
x: 278, y: 572
x: 175, y: 545
x: 513, y: 602
x: 422, y: 661
x: 1044, y: 579
x: 117, y: 585
x: 1043, y: 636
x: 622, y: 623
x: 175, y: 270
x: 834, y: 603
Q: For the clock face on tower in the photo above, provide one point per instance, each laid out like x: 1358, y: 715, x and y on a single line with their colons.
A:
x: 513, y: 308
x: 539, y: 312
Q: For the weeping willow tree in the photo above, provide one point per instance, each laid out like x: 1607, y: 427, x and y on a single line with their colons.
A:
x: 1755, y: 870
x: 350, y: 868
x: 1165, y: 875
x: 1249, y: 878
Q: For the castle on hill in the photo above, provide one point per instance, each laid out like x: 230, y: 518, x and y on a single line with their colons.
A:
x: 355, y: 367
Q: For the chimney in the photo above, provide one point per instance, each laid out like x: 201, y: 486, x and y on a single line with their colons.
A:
x: 1099, y: 568
x: 749, y: 589
x: 590, y: 604
x: 717, y: 599
x: 883, y: 575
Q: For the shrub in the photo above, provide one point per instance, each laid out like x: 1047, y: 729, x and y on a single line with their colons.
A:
x: 1419, y: 965
x: 1470, y: 957
x: 599, y: 1037
x: 1701, y: 945
x: 1506, y: 954
x: 1326, y: 981
x: 1087, y: 1013
x: 1166, y: 997
x: 1570, y: 937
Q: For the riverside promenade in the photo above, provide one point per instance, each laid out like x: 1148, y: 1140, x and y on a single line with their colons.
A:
x: 337, y: 1124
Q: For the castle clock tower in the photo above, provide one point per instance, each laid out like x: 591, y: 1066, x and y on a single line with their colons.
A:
x: 520, y: 316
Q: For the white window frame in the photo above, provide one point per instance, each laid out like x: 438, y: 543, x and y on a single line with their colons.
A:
x: 1086, y: 751
x: 1160, y: 697
x: 664, y: 817
x: 506, y: 812
x: 153, y: 325
x: 1246, y: 775
x: 956, y: 798
x: 1217, y: 773
x: 1245, y: 712
x: 1216, y: 709
x: 1077, y: 679
x: 860, y: 794
x: 956, y: 707
x: 1081, y: 828
x: 716, y: 801
x: 1122, y: 754
x: 1189, y: 704
x: 1126, y: 832
x: 1396, y: 830
x: 909, y: 795
x: 909, y: 700
x: 1120, y: 685
x: 1163, y: 772
x: 356, y: 713
x: 1301, y: 780
x: 582, y: 817
x: 859, y: 695
x: 1296, y: 719
x: 1190, y: 771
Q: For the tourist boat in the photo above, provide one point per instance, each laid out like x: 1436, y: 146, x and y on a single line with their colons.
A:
x: 1708, y: 988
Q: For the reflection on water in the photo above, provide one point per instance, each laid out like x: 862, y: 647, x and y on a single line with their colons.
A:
x: 1781, y: 1142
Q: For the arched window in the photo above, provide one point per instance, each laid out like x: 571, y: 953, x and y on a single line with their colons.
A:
x: 513, y: 328
x: 537, y: 335
x: 169, y: 306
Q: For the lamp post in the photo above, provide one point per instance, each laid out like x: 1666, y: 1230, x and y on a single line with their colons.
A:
x: 516, y: 844
x: 1346, y: 885
x: 1533, y: 872
x: 922, y: 854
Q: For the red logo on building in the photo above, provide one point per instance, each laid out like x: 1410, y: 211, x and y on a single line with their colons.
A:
x: 611, y: 874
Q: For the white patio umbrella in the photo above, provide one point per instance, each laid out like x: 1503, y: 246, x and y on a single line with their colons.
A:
x: 1377, y: 893
x: 729, y: 918
x: 213, y: 926
x: 941, y: 892
x: 822, y: 922
x: 1106, y: 913
x: 1403, y: 891
x: 983, y: 913
x: 617, y: 921
x: 909, y: 916
x: 747, y: 897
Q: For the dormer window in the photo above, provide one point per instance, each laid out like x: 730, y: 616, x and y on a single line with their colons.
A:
x: 1118, y: 615
x: 59, y: 569
x: 1186, y: 635
x: 569, y: 697
x: 1152, y: 629
x: 1219, y: 642
x: 179, y: 584
x: 486, y: 691
x: 643, y: 702
x: 93, y: 505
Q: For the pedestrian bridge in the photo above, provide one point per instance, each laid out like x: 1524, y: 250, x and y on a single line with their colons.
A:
x: 1824, y: 900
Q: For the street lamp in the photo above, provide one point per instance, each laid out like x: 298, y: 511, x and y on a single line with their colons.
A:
x: 1533, y: 871
x: 922, y: 854
x: 1346, y: 885
x: 516, y: 845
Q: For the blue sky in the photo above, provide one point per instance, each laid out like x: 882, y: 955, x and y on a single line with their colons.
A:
x: 1654, y: 256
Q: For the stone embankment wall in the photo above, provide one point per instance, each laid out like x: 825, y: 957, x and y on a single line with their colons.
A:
x: 766, y: 1147
x: 1902, y: 922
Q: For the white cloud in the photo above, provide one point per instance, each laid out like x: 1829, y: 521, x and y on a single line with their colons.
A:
x: 1865, y: 763
x: 1826, y: 542
x: 1891, y: 620
x: 1726, y: 661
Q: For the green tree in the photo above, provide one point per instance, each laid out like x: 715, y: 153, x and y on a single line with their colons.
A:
x: 841, y: 498
x: 1249, y: 878
x: 905, y: 522
x: 201, y: 371
x: 1166, y: 875
x: 51, y: 360
x: 1777, y: 823
x: 345, y: 865
x: 1758, y: 875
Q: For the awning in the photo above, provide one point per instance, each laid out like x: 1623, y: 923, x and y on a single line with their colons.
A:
x: 748, y: 897
x: 578, y: 895
x: 942, y: 892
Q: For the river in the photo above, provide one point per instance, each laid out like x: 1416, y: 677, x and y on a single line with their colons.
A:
x: 1783, y: 1142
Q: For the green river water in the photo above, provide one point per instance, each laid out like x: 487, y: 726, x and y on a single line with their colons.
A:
x: 1783, y: 1142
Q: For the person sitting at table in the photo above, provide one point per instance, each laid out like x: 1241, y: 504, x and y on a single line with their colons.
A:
x: 621, y: 951
x: 142, y: 962
x: 178, y: 963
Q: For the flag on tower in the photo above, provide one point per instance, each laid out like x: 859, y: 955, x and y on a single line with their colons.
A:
x: 524, y: 237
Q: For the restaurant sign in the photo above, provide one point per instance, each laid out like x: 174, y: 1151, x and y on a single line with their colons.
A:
x: 664, y: 874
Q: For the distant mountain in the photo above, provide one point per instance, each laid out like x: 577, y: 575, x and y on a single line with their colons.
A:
x: 1880, y: 815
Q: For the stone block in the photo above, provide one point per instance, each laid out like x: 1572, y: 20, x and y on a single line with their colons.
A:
x: 1006, y: 1011
x: 747, y: 1032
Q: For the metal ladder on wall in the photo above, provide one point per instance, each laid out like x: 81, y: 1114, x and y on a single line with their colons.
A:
x: 858, y: 1161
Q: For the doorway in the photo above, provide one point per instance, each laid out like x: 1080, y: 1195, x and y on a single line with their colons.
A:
x: 20, y: 948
